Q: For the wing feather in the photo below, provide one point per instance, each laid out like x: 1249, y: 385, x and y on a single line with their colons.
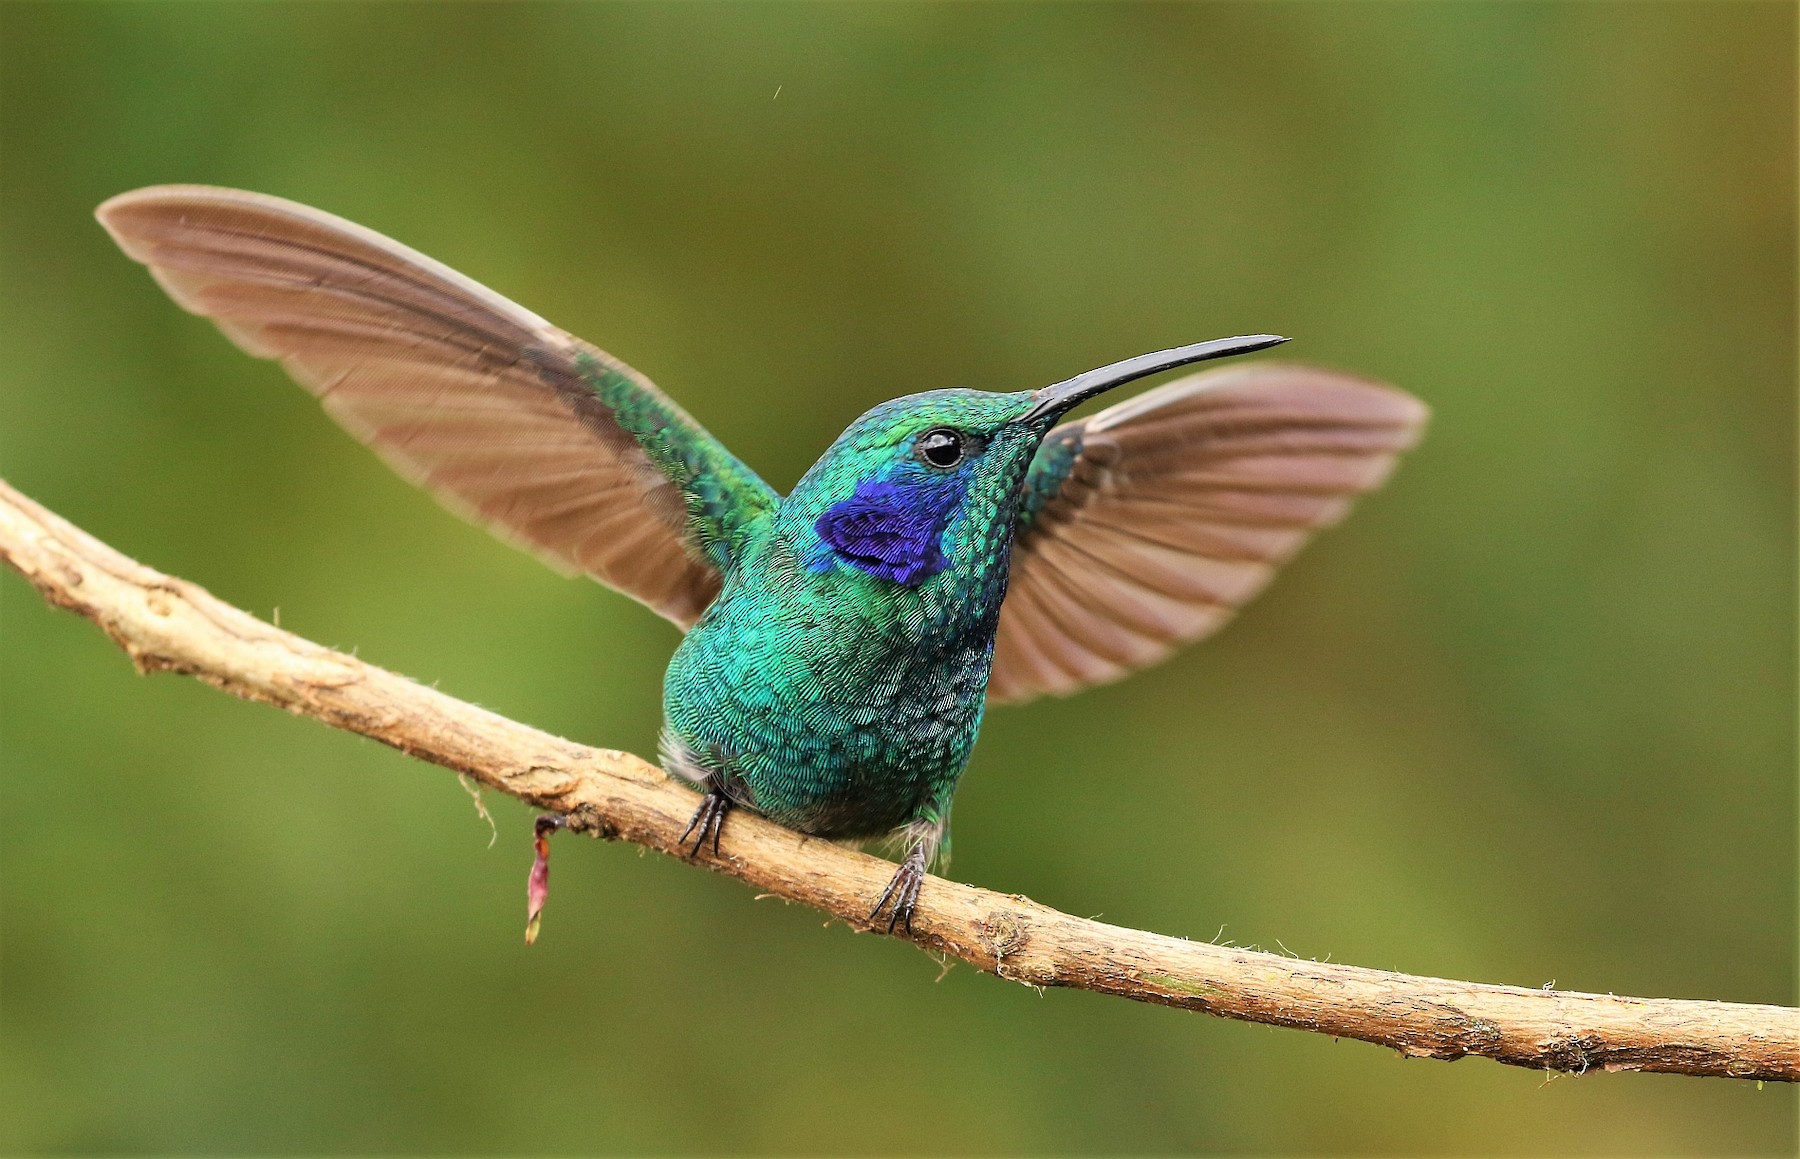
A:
x: 1176, y: 510
x: 1075, y: 661
x: 517, y: 426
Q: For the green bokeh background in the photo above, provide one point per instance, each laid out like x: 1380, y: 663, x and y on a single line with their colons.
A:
x: 1527, y: 717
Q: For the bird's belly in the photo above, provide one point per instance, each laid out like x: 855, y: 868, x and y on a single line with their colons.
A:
x: 839, y: 738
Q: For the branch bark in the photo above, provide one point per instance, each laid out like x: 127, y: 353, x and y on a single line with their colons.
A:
x: 165, y: 623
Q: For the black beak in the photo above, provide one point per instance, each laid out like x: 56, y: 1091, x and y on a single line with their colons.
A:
x: 1066, y: 395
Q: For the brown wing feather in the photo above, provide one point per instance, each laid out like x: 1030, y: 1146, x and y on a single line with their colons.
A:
x: 471, y: 396
x: 1178, y: 510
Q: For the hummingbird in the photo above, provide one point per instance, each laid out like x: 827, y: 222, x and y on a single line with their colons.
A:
x: 950, y: 550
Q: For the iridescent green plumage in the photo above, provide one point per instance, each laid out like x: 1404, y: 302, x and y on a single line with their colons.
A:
x: 722, y: 496
x: 950, y: 549
x: 839, y: 702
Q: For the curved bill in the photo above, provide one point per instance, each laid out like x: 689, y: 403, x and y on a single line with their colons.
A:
x: 1053, y: 400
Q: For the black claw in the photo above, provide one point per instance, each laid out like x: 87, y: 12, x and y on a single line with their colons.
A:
x: 709, y: 819
x: 903, y: 891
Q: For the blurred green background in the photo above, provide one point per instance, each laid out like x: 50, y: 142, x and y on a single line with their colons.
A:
x: 1527, y: 717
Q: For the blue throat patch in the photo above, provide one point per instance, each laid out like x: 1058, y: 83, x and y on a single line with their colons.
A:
x: 891, y: 530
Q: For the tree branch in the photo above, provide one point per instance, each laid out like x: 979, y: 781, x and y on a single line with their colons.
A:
x: 167, y: 623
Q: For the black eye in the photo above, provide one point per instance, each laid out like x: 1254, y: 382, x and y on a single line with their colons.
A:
x: 942, y: 447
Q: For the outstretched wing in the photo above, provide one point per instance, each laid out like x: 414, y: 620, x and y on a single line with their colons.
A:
x: 543, y: 439
x: 1146, y: 526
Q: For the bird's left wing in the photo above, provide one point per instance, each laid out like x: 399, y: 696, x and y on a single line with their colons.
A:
x: 1147, y: 525
x: 524, y: 429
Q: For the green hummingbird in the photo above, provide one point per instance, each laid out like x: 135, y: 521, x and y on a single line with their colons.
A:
x: 951, y: 549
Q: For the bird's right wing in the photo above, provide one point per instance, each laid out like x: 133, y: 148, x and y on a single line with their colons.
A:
x: 1146, y: 526
x: 526, y: 430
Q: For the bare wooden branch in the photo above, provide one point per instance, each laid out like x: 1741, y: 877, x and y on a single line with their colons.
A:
x: 167, y: 623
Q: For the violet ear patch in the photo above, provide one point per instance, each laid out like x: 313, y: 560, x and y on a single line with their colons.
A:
x: 891, y: 530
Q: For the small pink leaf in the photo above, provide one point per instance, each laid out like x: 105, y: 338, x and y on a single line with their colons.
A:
x: 537, y: 890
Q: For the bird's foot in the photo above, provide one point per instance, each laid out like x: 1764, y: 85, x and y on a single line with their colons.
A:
x: 709, y: 820
x: 902, y: 891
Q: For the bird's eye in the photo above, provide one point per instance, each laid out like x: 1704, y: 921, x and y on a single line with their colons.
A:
x: 941, y: 447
